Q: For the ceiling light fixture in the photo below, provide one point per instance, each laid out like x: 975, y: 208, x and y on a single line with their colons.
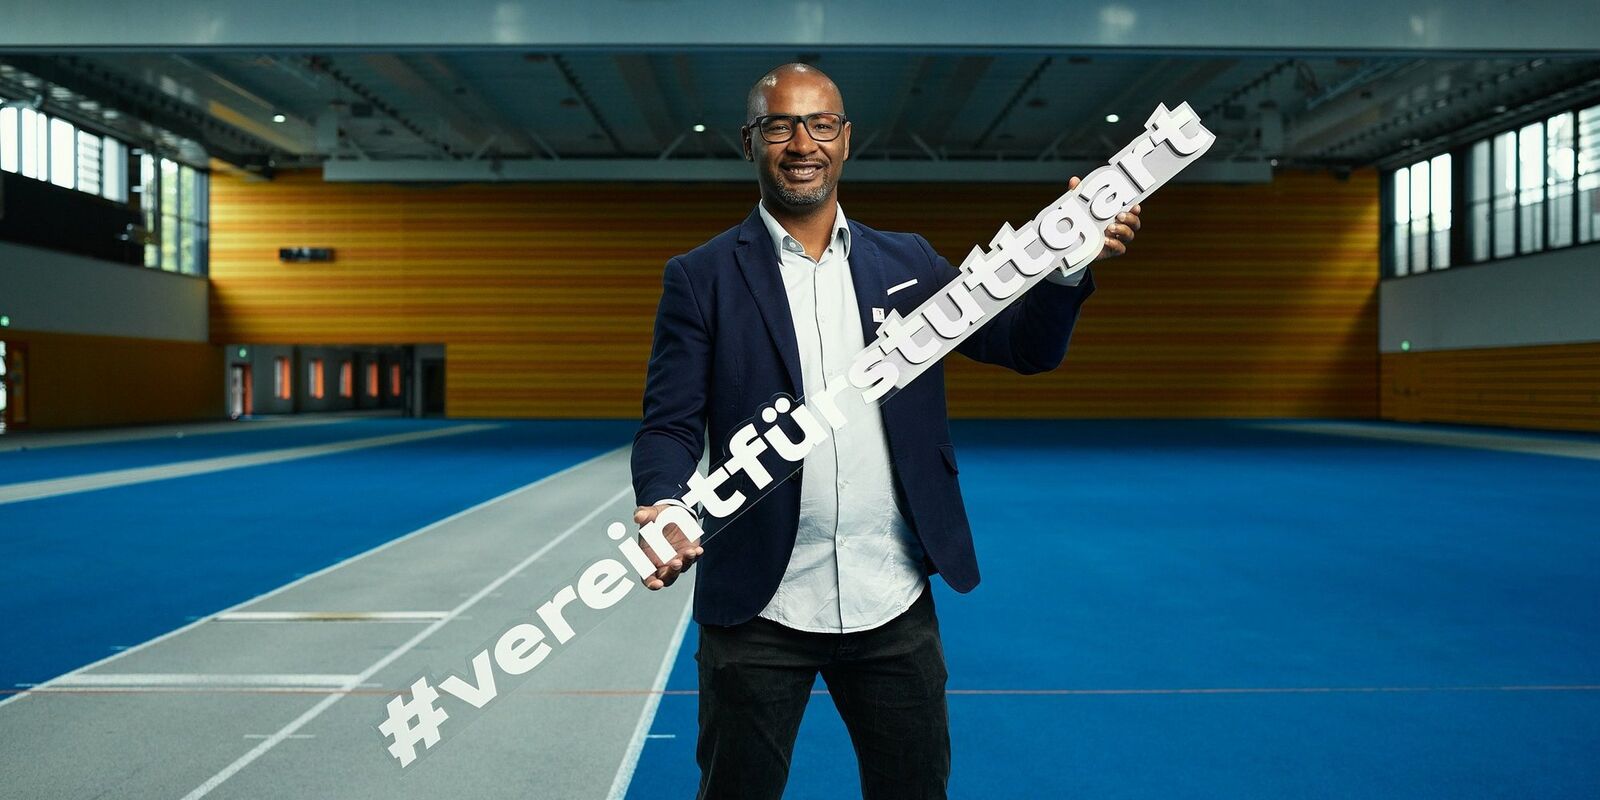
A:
x: 1113, y: 118
x: 279, y: 118
x: 698, y: 128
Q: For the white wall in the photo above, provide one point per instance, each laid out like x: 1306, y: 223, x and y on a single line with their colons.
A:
x: 1545, y: 298
x: 43, y: 290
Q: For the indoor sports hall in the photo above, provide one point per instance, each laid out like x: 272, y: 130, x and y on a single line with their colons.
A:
x: 327, y: 334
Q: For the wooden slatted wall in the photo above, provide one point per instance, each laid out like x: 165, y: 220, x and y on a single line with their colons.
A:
x: 1549, y: 386
x: 1238, y: 301
x: 81, y: 381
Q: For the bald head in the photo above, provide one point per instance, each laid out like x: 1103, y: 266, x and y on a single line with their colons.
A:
x: 757, y: 102
x: 798, y: 171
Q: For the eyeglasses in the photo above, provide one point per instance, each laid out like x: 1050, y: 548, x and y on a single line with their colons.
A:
x: 824, y: 126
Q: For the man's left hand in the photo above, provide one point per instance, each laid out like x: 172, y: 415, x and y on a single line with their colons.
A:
x: 1119, y: 232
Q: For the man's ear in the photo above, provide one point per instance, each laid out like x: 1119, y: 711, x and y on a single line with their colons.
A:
x: 744, y: 138
x: 846, y: 137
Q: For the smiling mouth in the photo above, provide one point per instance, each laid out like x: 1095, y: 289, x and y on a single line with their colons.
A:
x: 801, y: 173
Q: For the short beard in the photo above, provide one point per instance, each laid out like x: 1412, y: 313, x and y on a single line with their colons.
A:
x: 799, y: 200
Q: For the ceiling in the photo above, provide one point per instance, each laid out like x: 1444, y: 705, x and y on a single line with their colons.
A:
x: 584, y: 106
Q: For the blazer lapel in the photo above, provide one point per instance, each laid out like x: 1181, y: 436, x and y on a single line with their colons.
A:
x: 758, y: 262
x: 866, y: 272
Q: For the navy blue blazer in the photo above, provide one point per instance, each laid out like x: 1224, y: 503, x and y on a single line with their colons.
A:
x: 724, y: 345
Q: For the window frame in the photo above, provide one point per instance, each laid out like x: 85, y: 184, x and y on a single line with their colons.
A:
x: 1532, y: 205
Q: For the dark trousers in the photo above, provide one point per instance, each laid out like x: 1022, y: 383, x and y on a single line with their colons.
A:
x: 888, y: 684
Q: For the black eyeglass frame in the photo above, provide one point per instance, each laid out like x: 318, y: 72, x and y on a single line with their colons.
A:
x: 796, y: 120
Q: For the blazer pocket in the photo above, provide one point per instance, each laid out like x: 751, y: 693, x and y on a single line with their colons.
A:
x: 948, y: 451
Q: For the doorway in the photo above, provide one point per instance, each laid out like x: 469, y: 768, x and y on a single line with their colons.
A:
x: 432, y: 387
x: 13, y: 385
x: 239, y: 391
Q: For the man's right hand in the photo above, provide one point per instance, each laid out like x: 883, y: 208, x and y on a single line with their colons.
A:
x: 687, y: 551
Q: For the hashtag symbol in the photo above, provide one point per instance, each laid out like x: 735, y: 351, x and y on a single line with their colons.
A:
x: 421, y: 709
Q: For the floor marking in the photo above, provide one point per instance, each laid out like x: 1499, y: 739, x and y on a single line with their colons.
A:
x: 329, y: 616
x: 1504, y: 442
x: 43, y: 440
x: 1071, y: 692
x: 647, y: 717
x: 315, y: 711
x: 54, y: 487
x: 179, y: 679
x: 374, y: 690
x: 319, y: 691
x: 661, y: 736
x: 436, y: 524
x: 295, y: 736
x: 1278, y: 690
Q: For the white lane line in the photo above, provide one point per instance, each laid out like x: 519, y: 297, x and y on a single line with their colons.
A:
x: 325, y: 570
x: 647, y: 717
x: 330, y: 616
x: 296, y: 736
x: 191, y: 679
x: 43, y: 440
x: 315, y: 711
x: 1505, y: 442
x: 53, y: 487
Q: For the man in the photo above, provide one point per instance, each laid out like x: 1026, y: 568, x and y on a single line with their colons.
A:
x: 828, y: 573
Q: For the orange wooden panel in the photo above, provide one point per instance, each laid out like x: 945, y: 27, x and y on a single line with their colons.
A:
x: 1236, y: 300
x: 1546, y: 386
x: 77, y: 381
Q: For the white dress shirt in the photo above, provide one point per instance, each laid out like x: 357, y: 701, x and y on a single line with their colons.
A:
x: 856, y: 564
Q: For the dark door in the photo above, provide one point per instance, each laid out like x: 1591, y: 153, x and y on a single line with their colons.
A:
x: 433, y: 387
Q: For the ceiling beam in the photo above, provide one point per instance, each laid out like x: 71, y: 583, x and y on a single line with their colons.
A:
x: 571, y: 77
x: 477, y: 106
x: 145, y: 103
x: 1011, y: 103
x: 953, y: 97
x: 916, y: 73
x: 640, y: 78
x: 1314, y: 132
x: 683, y: 68
x: 1462, y: 118
x: 470, y: 132
x: 236, y: 105
x: 327, y: 67
x: 1139, y: 88
x: 701, y: 170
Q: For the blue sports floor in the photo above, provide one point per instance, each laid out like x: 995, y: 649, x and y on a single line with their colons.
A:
x: 1383, y: 620
x: 90, y: 572
x: 1169, y: 609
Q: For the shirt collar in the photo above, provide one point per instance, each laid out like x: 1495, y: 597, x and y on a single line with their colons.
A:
x: 781, y: 240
